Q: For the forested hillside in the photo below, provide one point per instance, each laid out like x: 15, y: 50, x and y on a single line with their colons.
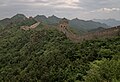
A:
x: 47, y: 55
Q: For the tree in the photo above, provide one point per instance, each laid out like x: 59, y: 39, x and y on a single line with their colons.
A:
x: 104, y: 71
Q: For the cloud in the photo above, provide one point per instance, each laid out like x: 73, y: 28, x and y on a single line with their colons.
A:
x: 84, y: 9
x: 66, y: 4
x: 97, y: 4
x: 55, y: 3
x: 106, y: 10
x: 110, y: 9
x: 3, y: 5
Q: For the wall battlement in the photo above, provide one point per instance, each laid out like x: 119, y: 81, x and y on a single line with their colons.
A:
x: 107, y: 33
x: 30, y: 27
x: 114, y: 31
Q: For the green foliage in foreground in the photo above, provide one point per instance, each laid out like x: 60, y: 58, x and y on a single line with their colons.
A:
x: 48, y: 56
x: 104, y: 71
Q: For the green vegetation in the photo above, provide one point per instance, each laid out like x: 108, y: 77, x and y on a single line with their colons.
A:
x: 47, y: 55
x: 44, y: 54
x: 104, y: 71
x: 27, y: 22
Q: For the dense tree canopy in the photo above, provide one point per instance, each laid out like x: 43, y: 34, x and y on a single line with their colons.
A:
x: 46, y: 55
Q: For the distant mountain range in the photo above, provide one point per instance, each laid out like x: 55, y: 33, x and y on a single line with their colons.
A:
x: 79, y: 25
x: 86, y: 25
x: 17, y: 20
x: 109, y: 22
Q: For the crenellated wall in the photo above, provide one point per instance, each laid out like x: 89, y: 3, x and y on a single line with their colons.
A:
x: 107, y: 33
x: 114, y: 31
x: 30, y: 27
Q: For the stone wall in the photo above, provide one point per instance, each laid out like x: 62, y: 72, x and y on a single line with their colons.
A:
x: 114, y: 31
x: 30, y: 27
x: 107, y: 33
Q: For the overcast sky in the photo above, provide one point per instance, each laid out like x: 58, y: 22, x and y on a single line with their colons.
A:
x: 82, y: 9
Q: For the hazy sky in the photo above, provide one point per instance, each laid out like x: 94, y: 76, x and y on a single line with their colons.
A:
x: 83, y: 9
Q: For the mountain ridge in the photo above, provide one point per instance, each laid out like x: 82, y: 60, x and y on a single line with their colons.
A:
x: 110, y: 22
x: 32, y: 22
x: 78, y: 24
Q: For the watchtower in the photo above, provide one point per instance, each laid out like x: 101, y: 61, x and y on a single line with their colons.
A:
x: 64, y: 23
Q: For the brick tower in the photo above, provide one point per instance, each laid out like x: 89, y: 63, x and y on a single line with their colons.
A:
x: 64, y: 23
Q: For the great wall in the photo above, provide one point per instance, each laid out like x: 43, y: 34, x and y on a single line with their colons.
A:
x: 107, y: 33
x: 63, y: 26
x: 30, y: 27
